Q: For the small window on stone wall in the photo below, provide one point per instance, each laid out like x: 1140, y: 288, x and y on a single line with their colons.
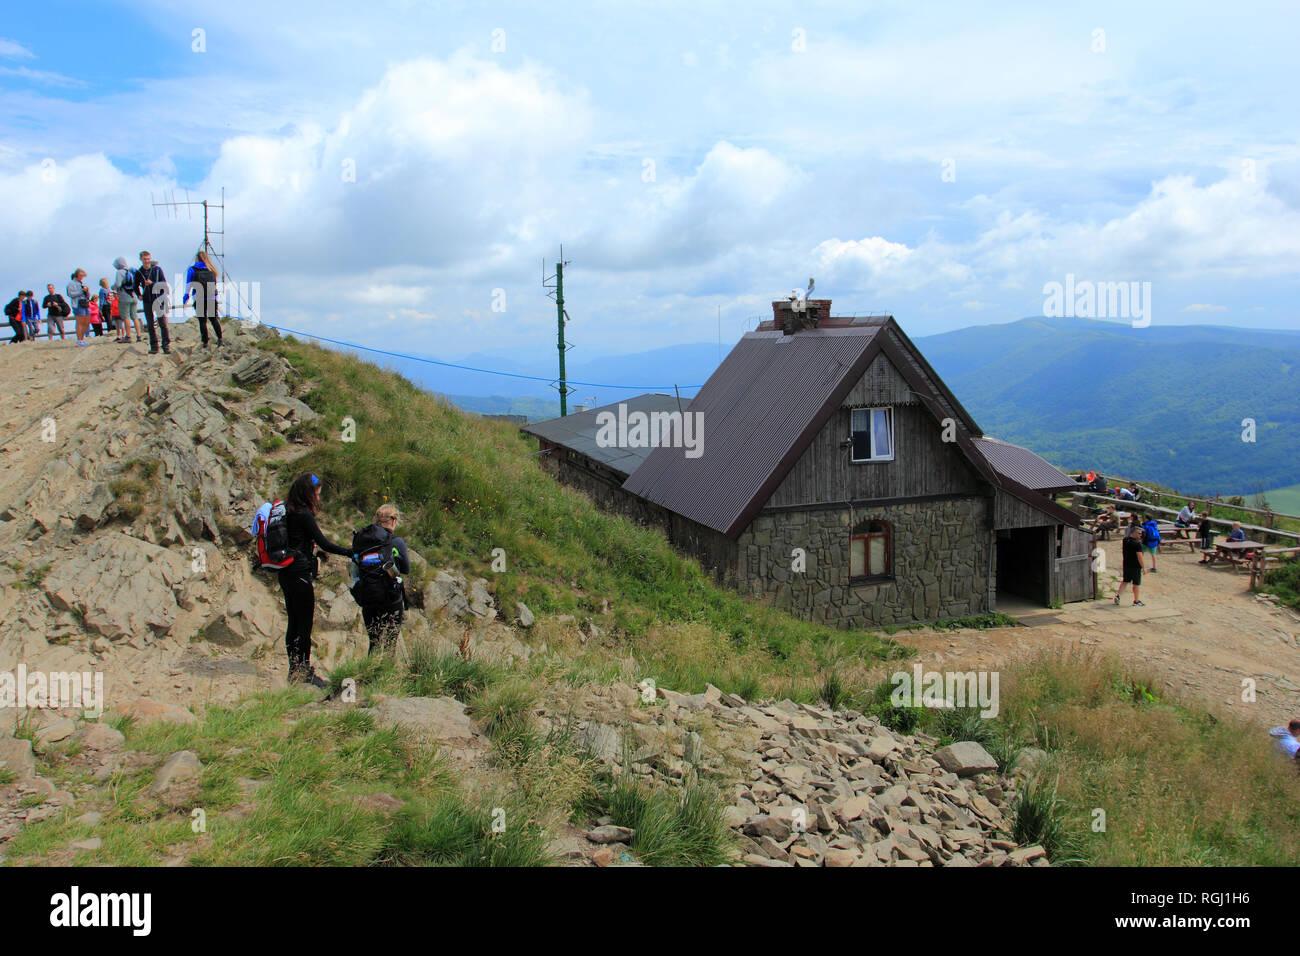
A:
x: 871, y: 552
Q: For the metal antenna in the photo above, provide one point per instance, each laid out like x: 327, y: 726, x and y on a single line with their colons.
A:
x: 556, y: 292
x: 214, y: 227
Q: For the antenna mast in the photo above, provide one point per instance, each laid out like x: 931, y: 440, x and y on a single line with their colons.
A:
x: 556, y: 292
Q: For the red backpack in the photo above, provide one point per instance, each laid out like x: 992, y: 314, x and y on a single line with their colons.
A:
x: 272, y: 535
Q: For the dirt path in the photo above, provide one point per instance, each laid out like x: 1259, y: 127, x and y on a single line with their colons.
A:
x: 1202, y: 632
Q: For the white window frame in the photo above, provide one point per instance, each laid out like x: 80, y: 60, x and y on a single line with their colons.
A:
x: 893, y: 438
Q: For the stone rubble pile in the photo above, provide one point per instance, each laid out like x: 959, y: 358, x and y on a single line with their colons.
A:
x: 810, y: 786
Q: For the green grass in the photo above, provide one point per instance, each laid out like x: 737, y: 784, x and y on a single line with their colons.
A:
x: 315, y: 766
x: 1179, y: 786
x: 1285, y: 500
x: 1285, y: 583
x: 680, y: 827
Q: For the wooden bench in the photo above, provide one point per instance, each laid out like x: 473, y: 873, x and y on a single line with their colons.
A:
x: 1171, y: 534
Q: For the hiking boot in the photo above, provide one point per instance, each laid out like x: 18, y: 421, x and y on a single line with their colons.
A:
x: 1138, y: 604
x: 153, y: 351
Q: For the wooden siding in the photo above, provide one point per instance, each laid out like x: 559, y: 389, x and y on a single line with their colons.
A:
x: 923, y: 463
x: 1011, y: 512
x: 880, y: 385
x: 1073, y: 578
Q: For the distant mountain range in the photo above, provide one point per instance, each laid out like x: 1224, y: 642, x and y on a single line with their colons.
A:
x: 1165, y: 403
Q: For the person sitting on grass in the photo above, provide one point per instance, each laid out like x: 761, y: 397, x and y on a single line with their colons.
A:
x: 1132, y: 564
x: 1288, y: 739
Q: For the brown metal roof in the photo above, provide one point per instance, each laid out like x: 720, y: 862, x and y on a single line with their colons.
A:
x: 1023, y: 466
x: 760, y: 409
x: 578, y: 432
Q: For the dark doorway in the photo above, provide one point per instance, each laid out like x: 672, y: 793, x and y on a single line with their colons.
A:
x: 1024, y: 562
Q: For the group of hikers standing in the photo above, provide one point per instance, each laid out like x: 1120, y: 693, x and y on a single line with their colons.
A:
x: 379, y: 559
x: 1143, y: 537
x: 117, y: 306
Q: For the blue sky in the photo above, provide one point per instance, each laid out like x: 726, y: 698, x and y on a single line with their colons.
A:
x: 388, y: 166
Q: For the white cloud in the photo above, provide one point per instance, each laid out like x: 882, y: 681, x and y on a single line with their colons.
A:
x: 14, y: 50
x: 1203, y: 307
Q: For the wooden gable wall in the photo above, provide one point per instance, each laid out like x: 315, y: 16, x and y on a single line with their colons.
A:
x: 923, y: 464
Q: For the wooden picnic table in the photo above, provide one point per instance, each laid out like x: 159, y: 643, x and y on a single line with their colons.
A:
x: 1234, y: 552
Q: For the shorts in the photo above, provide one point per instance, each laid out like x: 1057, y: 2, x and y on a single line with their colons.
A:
x: 1150, y: 548
x: 1133, y: 576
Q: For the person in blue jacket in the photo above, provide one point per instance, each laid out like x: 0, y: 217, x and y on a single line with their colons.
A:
x: 31, y: 314
x: 1151, y: 540
x: 201, y: 282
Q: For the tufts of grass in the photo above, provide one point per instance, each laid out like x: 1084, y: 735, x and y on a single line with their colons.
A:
x: 1040, y: 816
x: 673, y: 827
x: 455, y: 832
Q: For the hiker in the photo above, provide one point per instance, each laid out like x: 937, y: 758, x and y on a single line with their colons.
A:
x: 1151, y: 540
x: 201, y: 282
x: 152, y: 285
x: 79, y: 296
x: 1132, y: 565
x: 31, y: 314
x: 124, y: 284
x: 1185, y: 517
x: 56, y: 310
x: 304, y: 534
x: 1288, y: 739
x: 379, y: 558
x: 1124, y: 494
x: 1205, y: 532
x: 14, y: 313
x: 105, y: 307
x: 1236, y: 534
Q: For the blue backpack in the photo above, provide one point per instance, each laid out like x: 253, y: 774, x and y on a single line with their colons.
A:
x: 1150, y: 534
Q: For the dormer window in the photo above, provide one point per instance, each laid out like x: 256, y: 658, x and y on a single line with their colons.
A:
x: 873, y: 434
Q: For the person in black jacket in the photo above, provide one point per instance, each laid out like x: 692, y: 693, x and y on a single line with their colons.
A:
x: 56, y: 310
x: 14, y: 313
x: 153, y: 293
x: 301, y: 505
x: 383, y: 558
x: 1132, y: 564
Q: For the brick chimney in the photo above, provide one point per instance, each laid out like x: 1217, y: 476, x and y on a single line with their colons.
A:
x: 785, y: 318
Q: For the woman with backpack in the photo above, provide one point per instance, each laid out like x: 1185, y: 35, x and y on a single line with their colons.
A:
x: 379, y: 558
x: 304, y: 537
x: 1151, y: 540
x: 125, y: 287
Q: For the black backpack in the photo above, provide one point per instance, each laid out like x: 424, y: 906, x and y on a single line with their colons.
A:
x: 13, y: 308
x: 378, y: 583
x: 203, y: 287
